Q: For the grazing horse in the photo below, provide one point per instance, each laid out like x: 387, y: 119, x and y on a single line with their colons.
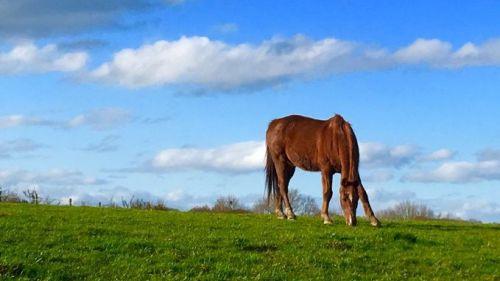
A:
x: 329, y: 146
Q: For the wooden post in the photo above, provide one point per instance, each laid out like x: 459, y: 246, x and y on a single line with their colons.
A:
x: 70, y: 202
x: 99, y: 204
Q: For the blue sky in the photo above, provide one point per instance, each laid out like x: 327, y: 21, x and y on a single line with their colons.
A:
x: 171, y: 99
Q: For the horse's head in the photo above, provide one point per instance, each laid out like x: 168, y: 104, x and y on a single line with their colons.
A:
x: 349, y: 201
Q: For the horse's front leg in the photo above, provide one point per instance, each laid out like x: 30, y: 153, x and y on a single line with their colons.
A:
x: 326, y: 180
x: 366, y: 205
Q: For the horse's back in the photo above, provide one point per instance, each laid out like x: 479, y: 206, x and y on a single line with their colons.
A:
x: 296, y: 138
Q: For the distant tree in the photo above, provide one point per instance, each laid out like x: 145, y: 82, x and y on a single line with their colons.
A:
x: 227, y: 204
x: 10, y: 197
x: 302, y: 204
x: 32, y: 196
x: 263, y: 206
x: 408, y: 210
x: 309, y: 206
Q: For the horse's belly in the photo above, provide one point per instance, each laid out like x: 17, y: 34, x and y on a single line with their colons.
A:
x: 304, y: 162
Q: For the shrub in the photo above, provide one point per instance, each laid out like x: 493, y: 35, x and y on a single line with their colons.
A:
x: 204, y: 208
x: 10, y: 197
x: 145, y: 205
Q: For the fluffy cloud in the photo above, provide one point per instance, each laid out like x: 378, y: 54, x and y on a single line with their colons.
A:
x: 234, y: 158
x: 458, y: 172
x: 204, y: 63
x: 215, y: 64
x: 54, y: 177
x: 438, y: 155
x: 423, y: 50
x: 437, y: 53
x: 97, y: 119
x: 471, y: 207
x: 26, y: 57
x: 377, y: 155
x: 200, y: 63
x: 488, y: 211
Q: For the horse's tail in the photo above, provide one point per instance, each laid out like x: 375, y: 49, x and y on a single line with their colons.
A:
x: 352, y: 146
x: 271, y: 176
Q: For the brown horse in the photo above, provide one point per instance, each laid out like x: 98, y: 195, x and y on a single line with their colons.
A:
x: 329, y: 146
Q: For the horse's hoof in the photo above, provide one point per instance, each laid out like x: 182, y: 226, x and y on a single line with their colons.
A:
x: 328, y: 222
x: 291, y: 218
x: 376, y: 223
x: 281, y: 217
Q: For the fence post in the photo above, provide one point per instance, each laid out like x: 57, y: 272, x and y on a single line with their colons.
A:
x: 70, y: 202
x: 99, y: 204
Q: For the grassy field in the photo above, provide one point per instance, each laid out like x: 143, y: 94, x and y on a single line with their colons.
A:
x: 67, y: 243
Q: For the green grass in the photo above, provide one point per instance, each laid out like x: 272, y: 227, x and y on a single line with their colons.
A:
x: 68, y: 243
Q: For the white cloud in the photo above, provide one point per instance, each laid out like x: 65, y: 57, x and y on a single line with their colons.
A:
x: 437, y: 53
x: 26, y: 57
x: 377, y: 155
x: 21, y: 120
x: 382, y: 198
x: 100, y: 119
x: 378, y: 176
x: 203, y: 62
x: 233, y: 158
x: 97, y: 119
x: 483, y: 210
x: 472, y: 207
x: 209, y: 64
x: 458, y: 172
x: 438, y: 155
x: 424, y: 51
x: 56, y: 177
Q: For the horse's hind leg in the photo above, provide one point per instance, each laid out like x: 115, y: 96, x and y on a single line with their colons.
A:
x: 366, y: 206
x: 278, y: 206
x: 284, y: 173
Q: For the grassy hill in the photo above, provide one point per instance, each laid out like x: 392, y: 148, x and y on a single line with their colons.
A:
x: 66, y: 243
